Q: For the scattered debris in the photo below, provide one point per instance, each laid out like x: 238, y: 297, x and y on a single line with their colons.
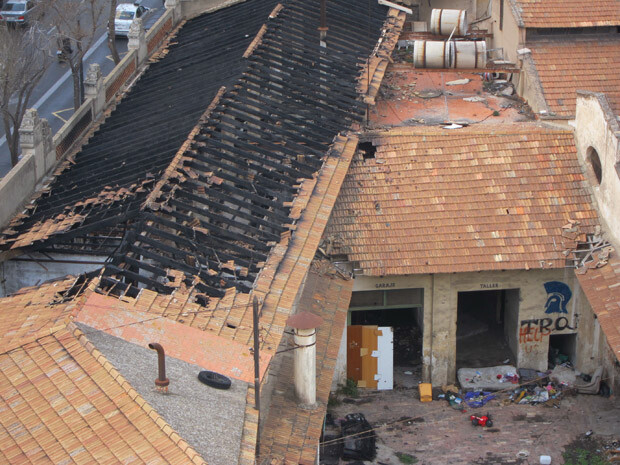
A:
x: 475, y: 99
x: 428, y: 93
x: 458, y: 82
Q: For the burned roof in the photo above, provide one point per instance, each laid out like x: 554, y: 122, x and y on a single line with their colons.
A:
x: 235, y: 191
x: 433, y: 200
x: 240, y: 210
x: 105, y: 181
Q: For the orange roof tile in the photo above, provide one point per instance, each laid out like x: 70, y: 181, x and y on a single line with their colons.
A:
x: 567, y: 13
x: 192, y: 345
x: 478, y: 198
x: 579, y: 64
x: 62, y: 402
x: 31, y: 310
x: 290, y: 434
x: 602, y: 288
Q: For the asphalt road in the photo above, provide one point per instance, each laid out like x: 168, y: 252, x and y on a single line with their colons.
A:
x: 53, y: 97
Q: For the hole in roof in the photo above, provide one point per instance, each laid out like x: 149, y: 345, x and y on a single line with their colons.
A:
x: 231, y: 326
x: 594, y: 163
x: 367, y: 149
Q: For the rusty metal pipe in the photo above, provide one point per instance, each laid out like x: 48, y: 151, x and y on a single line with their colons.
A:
x: 161, y: 382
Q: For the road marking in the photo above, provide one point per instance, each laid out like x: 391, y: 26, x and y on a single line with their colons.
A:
x: 62, y: 80
x: 57, y: 114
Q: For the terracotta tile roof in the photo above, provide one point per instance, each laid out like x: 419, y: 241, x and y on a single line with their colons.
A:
x: 477, y: 198
x: 31, y: 310
x: 291, y: 434
x: 63, y: 402
x: 372, y: 75
x: 192, y: 345
x: 602, y: 288
x: 567, y: 13
x: 579, y: 64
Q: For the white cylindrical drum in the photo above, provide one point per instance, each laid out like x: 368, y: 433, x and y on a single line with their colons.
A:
x: 443, y: 22
x: 470, y: 54
x: 433, y: 54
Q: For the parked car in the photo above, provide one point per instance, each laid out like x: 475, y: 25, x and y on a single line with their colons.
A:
x: 18, y: 11
x: 125, y: 14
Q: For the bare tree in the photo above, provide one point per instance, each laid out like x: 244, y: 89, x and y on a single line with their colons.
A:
x: 77, y: 23
x: 112, y: 33
x: 24, y: 58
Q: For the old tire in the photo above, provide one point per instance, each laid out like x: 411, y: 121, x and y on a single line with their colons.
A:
x: 215, y: 380
x: 489, y: 422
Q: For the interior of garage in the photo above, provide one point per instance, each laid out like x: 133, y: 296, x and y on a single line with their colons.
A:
x: 486, y: 328
x: 402, y: 310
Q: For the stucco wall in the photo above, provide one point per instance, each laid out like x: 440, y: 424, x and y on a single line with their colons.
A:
x: 596, y: 127
x: 527, y: 332
x: 511, y: 38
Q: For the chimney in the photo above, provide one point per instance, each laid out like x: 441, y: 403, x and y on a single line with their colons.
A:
x: 304, y: 325
x: 161, y: 382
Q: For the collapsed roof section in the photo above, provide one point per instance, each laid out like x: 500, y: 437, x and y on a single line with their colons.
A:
x: 246, y: 173
x: 104, y: 183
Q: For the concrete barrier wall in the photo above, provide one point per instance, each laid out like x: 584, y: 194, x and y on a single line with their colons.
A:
x: 19, y: 184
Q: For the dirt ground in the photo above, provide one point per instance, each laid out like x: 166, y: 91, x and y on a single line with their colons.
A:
x: 435, y: 433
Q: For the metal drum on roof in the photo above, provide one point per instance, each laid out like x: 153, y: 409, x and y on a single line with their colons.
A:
x: 443, y: 22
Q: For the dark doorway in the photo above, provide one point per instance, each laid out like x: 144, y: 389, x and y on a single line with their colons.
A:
x: 562, y: 350
x: 407, y: 334
x: 484, y: 319
x: 401, y: 310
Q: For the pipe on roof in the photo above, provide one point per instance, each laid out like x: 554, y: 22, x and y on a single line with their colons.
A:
x: 161, y: 382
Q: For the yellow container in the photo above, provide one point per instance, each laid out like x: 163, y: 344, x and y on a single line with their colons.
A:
x: 426, y: 392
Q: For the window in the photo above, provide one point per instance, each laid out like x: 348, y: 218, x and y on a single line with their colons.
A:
x: 594, y: 163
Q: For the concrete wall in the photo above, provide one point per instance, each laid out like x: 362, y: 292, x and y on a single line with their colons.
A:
x: 33, y: 269
x: 510, y: 38
x: 593, y: 349
x: 191, y: 8
x: 529, y: 86
x: 596, y: 128
x: 511, y: 320
x: 527, y: 324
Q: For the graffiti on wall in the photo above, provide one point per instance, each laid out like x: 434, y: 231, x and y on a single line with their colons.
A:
x: 558, y: 295
x: 533, y: 332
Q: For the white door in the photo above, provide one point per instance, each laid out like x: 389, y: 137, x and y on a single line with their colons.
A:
x: 385, y: 359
